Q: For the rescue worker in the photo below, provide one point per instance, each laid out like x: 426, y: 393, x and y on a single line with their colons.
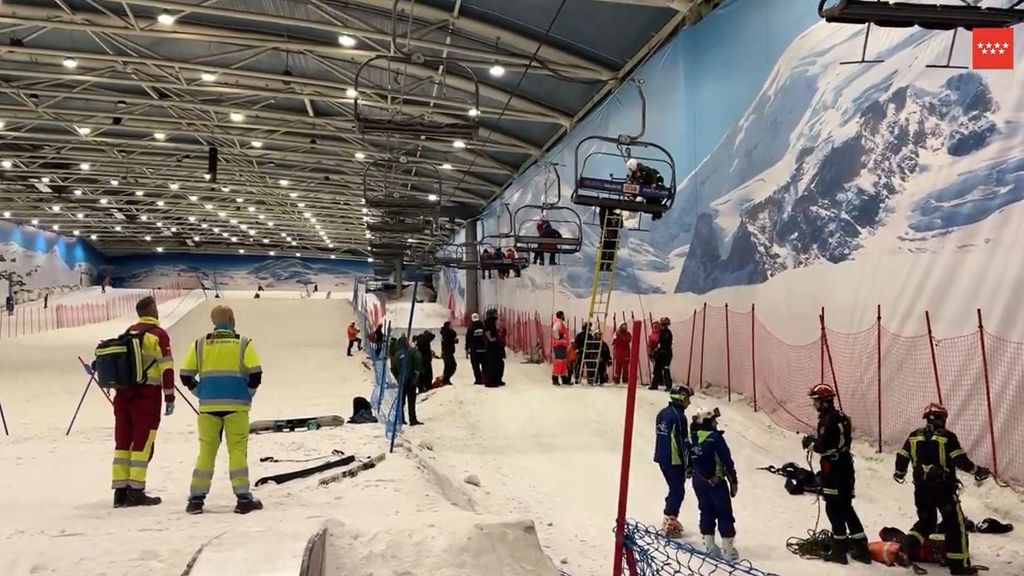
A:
x: 449, y: 338
x: 936, y: 455
x: 546, y: 230
x: 611, y: 223
x: 560, y: 351
x: 423, y: 343
x: 406, y: 364
x: 646, y: 176
x: 662, y: 356
x: 604, y: 359
x: 353, y: 338
x: 891, y: 549
x: 714, y: 483
x: 494, y: 364
x: 223, y: 370
x: 137, y: 410
x: 671, y: 452
x: 837, y: 477
x: 578, y: 343
x: 621, y: 344
x: 476, y: 348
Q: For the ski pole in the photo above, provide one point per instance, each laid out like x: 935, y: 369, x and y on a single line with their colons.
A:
x: 88, y: 370
x: 4, y: 419
x: 92, y: 378
x: 187, y: 401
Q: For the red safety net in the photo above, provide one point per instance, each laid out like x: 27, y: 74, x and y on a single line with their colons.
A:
x: 884, y: 380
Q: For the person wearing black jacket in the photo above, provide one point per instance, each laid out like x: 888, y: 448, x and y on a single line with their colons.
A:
x: 662, y: 354
x: 377, y: 340
x: 603, y: 361
x: 611, y: 223
x: 426, y: 376
x: 449, y: 338
x: 476, y: 348
x: 494, y: 365
x: 578, y: 341
x: 832, y: 443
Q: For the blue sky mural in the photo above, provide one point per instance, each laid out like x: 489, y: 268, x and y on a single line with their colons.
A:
x: 70, y: 250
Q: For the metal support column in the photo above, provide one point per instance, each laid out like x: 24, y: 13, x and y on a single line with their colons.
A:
x: 472, y: 276
x: 398, y: 279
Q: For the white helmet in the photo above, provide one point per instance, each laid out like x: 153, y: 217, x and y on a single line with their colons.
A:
x: 704, y: 414
x: 632, y: 164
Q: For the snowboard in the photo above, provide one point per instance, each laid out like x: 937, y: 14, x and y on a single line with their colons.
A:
x: 293, y: 424
x: 354, y: 470
x: 304, y: 472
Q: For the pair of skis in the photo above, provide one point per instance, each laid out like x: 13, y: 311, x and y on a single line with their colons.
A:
x: 343, y: 460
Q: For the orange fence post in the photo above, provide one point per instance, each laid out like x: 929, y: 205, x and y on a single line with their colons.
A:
x: 878, y: 320
x: 988, y: 396
x: 627, y: 451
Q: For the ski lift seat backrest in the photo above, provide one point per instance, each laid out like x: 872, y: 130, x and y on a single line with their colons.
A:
x: 616, y: 192
x: 562, y: 218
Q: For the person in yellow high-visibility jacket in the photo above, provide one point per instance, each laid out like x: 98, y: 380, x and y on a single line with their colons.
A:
x: 223, y: 370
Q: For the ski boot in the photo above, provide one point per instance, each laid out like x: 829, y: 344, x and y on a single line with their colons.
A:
x: 836, y: 554
x: 711, y: 547
x: 961, y: 568
x: 554, y: 381
x: 136, y: 497
x: 120, y: 495
x: 729, y: 549
x: 859, y: 550
x: 247, y: 504
x: 671, y: 527
x: 195, y: 506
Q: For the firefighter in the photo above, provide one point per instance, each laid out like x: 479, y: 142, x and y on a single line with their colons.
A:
x: 671, y: 452
x: 662, y: 356
x: 621, y: 344
x: 449, y: 338
x: 936, y: 455
x: 137, y: 410
x: 476, y: 348
x: 837, y: 477
x: 223, y: 370
x: 353, y: 338
x: 560, y: 351
x: 714, y: 483
x: 647, y: 176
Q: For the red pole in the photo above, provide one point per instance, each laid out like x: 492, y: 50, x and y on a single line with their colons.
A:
x: 627, y: 449
x: 879, y: 323
x: 703, y: 330
x: 728, y: 355
x: 753, y: 353
x: 828, y: 354
x: 931, y: 346
x: 693, y: 333
x: 988, y: 396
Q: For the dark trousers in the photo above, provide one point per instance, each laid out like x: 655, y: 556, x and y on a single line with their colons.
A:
x: 136, y: 419
x: 477, y: 360
x: 715, y: 505
x: 494, y: 369
x: 660, y: 374
x: 426, y: 377
x: 675, y: 477
x: 354, y: 341
x: 931, y: 501
x: 838, y: 482
x: 449, y: 368
x: 409, y: 390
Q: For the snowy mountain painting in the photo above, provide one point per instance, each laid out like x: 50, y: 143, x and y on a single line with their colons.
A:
x: 34, y: 262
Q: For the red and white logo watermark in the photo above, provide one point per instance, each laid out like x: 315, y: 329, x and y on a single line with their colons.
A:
x: 992, y: 49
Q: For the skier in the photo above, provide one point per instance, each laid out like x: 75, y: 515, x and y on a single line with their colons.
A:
x: 405, y: 367
x: 223, y: 370
x: 448, y: 341
x: 714, y: 483
x: 560, y: 351
x: 671, y: 452
x: 426, y: 373
x: 621, y: 344
x: 936, y: 455
x: 837, y: 477
x: 662, y: 355
x: 476, y: 348
x: 137, y: 410
x: 353, y: 338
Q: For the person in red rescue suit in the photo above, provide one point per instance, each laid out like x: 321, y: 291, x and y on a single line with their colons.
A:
x: 560, y: 351
x: 137, y: 410
x: 621, y: 344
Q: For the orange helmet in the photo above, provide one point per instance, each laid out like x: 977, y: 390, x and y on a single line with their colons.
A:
x: 935, y: 412
x: 822, y: 392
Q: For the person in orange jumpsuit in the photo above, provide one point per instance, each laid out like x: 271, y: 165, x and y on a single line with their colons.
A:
x: 353, y: 338
x: 560, y: 351
x: 621, y: 344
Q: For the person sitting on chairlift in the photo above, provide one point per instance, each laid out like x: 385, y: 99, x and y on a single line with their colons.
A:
x: 643, y: 175
x: 486, y: 264
x: 546, y: 230
x: 499, y: 260
x: 510, y: 255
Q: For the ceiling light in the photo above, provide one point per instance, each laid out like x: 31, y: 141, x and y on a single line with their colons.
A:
x: 56, y: 226
x: 252, y: 232
x: 191, y: 218
x: 80, y: 215
x: 160, y: 136
x: 144, y: 218
x: 239, y: 200
x: 242, y: 226
x: 317, y: 226
x: 331, y: 246
x: 159, y: 202
x: 307, y: 214
x: 75, y: 232
x: 7, y: 164
x: 225, y: 188
x: 366, y: 218
x: 293, y: 194
x: 252, y: 208
x: 85, y: 166
x: 409, y: 240
x: 313, y: 220
x: 165, y: 19
x: 204, y: 225
x: 206, y: 176
x: 283, y: 235
x: 360, y: 155
x: 77, y: 192
x: 352, y: 93
x: 55, y: 208
x: 241, y: 251
x: 497, y: 70
x: 432, y: 197
x: 233, y: 221
x: 298, y: 254
x: 84, y: 130
x: 34, y: 221
x: 208, y: 206
x: 473, y: 112
x: 265, y: 241
x: 159, y: 224
x: 2, y: 124
x: 175, y: 186
x: 365, y: 211
x: 208, y: 77
x: 216, y: 230
x: 149, y: 238
x: 284, y: 182
x: 45, y: 179
x: 196, y: 238
x: 256, y: 144
x: 272, y: 253
x: 70, y: 63
x: 139, y: 193
x: 234, y: 239
x: 294, y: 243
x: 301, y: 204
x: 92, y: 237
x: 222, y: 214
x: 459, y: 143
x: 224, y: 234
x: 369, y: 259
x: 159, y: 249
x: 237, y: 117
x: 104, y: 200
x: 271, y: 224
x: 346, y: 41
x: 174, y: 229
x: 115, y: 182
x: 193, y: 198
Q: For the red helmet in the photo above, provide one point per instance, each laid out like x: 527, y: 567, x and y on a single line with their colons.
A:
x: 935, y: 412
x: 822, y: 392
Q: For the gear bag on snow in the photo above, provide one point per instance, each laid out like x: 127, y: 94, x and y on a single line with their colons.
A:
x: 798, y: 480
x: 119, y: 361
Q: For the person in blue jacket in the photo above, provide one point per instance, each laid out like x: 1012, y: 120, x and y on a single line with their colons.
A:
x: 714, y: 483
x: 671, y: 448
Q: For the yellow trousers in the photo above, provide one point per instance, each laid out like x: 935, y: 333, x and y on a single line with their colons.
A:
x: 234, y: 426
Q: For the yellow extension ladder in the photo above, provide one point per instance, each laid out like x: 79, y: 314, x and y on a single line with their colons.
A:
x: 600, y: 295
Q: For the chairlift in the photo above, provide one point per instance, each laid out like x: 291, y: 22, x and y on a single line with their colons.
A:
x: 454, y: 256
x: 518, y: 262
x: 620, y: 192
x: 402, y: 184
x: 535, y: 225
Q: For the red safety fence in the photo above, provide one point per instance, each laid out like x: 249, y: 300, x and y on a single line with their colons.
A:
x: 35, y: 319
x: 883, y: 380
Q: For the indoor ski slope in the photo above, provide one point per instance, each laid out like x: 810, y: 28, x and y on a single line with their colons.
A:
x: 547, y: 460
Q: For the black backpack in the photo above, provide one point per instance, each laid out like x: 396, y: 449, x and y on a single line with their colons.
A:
x: 119, y: 361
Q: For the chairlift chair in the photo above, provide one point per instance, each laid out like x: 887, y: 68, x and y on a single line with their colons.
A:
x: 401, y: 184
x: 520, y: 262
x: 562, y: 218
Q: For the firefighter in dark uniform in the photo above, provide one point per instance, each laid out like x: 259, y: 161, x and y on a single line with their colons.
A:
x: 936, y: 455
x: 835, y: 434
